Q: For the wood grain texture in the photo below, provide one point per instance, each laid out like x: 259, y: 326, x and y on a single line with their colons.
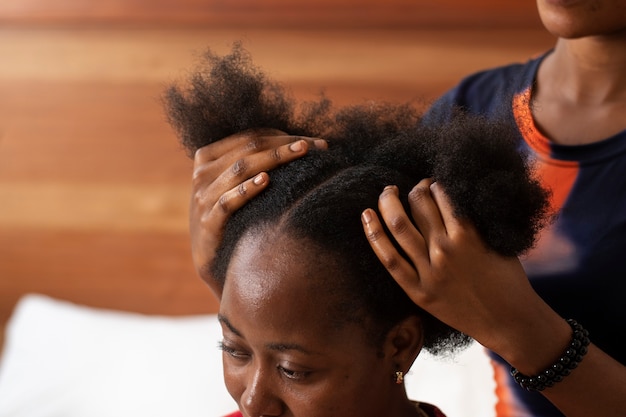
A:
x: 93, y: 184
x: 276, y: 13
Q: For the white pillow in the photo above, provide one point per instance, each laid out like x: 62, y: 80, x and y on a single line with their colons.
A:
x: 461, y: 386
x: 66, y: 360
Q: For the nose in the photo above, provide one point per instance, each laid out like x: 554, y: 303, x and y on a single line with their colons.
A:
x: 260, y: 396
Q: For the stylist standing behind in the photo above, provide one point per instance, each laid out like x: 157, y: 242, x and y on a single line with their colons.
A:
x: 569, y: 109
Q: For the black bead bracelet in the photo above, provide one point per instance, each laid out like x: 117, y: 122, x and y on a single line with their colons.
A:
x: 562, y: 367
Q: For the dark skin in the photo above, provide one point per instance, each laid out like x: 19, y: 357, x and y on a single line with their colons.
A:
x: 583, y: 82
x: 454, y: 276
x: 226, y: 175
x: 283, y: 357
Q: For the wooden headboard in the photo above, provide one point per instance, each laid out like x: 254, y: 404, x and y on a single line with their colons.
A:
x: 93, y: 184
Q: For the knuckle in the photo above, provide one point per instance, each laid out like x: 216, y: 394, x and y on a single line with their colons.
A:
x: 275, y: 155
x: 390, y: 263
x: 203, y: 154
x: 374, y: 235
x: 223, y: 205
x: 436, y: 253
x: 439, y: 251
x: 205, y: 219
x: 242, y: 190
x: 200, y: 202
x: 239, y: 168
x: 398, y: 225
x: 198, y: 175
x: 418, y: 194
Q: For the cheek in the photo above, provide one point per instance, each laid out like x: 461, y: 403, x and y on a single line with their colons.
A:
x: 233, y: 381
x: 356, y: 392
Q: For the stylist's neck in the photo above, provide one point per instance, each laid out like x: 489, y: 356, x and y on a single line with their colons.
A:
x: 593, y: 68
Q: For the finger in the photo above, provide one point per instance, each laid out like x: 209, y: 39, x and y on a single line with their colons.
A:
x: 398, y: 267
x: 399, y: 224
x: 458, y: 229
x: 237, y: 197
x: 446, y: 210
x: 425, y: 211
x: 227, y: 172
x: 267, y: 160
x: 401, y: 228
x: 229, y: 202
x: 249, y: 142
x: 241, y: 141
x: 213, y: 221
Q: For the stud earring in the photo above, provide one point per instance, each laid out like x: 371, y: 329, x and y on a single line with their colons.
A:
x: 399, y: 377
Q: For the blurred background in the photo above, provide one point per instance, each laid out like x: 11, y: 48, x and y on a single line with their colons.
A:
x: 93, y: 184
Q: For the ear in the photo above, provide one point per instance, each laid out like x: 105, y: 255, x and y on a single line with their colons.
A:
x: 404, y: 342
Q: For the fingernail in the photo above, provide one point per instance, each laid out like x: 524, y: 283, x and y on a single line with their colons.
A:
x: 259, y: 179
x: 389, y: 190
x: 366, y: 216
x: 320, y: 143
x: 296, y: 146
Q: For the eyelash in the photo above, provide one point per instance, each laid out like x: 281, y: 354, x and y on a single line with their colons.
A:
x: 288, y: 373
x: 293, y: 375
x: 231, y: 351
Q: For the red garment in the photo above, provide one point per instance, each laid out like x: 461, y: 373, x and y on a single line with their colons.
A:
x: 429, y: 409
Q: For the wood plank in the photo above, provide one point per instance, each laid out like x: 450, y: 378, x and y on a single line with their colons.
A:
x: 93, y: 185
x: 146, y: 272
x: 276, y: 13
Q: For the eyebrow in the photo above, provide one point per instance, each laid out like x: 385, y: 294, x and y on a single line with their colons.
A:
x: 228, y: 324
x: 280, y: 347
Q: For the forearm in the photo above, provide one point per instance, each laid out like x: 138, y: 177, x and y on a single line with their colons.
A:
x: 596, y: 387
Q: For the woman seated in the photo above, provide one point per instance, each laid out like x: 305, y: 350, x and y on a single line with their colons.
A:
x: 313, y: 324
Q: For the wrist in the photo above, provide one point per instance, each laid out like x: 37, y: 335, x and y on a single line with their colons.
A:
x: 532, y: 341
x: 561, y: 367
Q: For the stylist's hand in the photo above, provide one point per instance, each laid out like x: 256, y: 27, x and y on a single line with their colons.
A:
x: 226, y: 175
x: 451, y: 274
x: 454, y: 276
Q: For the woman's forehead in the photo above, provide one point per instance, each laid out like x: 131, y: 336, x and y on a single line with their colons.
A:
x: 269, y: 317
x: 273, y: 266
x: 283, y: 278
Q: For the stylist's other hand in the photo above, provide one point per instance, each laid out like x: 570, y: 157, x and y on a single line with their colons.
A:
x: 227, y: 174
x: 449, y: 271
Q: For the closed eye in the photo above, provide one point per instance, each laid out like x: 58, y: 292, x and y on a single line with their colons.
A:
x: 231, y: 351
x: 293, y: 375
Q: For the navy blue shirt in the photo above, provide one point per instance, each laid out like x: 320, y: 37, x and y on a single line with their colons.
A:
x: 579, y: 264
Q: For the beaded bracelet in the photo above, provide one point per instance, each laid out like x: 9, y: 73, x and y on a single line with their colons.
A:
x: 562, y: 367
